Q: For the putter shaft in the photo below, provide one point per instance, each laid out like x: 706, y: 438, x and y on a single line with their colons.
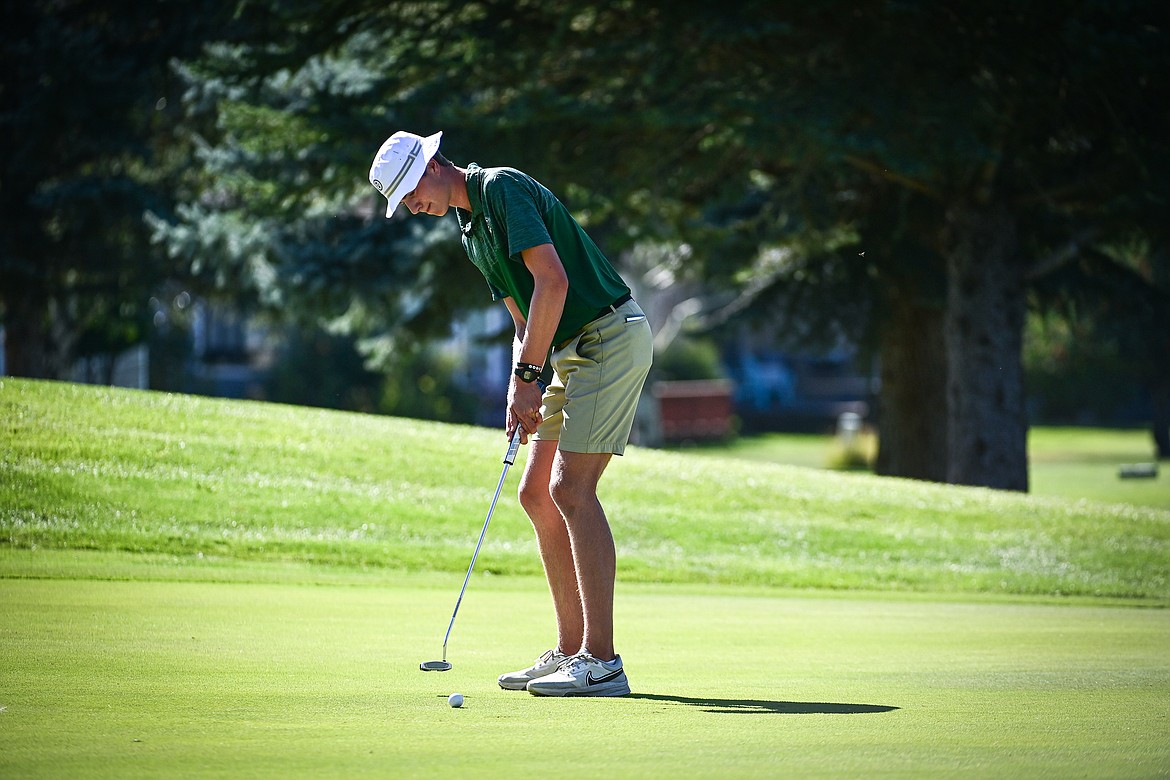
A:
x: 509, y: 459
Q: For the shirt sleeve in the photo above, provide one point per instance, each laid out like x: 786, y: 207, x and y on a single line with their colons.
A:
x: 517, y: 204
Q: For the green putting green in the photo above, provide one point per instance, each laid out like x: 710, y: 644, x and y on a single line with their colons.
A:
x: 307, y: 676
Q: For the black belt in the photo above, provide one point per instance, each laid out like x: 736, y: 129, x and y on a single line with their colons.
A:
x: 613, y: 306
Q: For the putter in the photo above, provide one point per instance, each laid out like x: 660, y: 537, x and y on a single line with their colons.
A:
x: 509, y: 458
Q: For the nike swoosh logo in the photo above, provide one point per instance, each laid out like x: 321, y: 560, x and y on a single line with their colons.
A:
x: 591, y: 680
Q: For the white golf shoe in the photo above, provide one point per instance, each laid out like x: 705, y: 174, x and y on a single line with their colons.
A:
x: 583, y: 675
x: 548, y: 663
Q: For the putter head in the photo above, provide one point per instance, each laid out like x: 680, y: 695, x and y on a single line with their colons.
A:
x: 435, y: 666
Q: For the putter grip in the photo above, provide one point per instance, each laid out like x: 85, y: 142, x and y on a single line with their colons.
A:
x: 514, y: 445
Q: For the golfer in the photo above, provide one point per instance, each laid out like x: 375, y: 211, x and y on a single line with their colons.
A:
x: 572, y: 310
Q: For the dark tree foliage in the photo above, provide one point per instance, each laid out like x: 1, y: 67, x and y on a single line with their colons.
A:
x: 87, y: 121
x: 911, y: 175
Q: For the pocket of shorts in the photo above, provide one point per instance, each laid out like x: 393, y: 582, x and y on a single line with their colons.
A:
x: 635, y: 318
x: 589, y: 345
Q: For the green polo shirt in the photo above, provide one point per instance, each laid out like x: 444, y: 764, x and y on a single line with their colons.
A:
x: 511, y: 212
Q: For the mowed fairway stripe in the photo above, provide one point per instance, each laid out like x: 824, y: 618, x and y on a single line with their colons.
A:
x: 116, y: 679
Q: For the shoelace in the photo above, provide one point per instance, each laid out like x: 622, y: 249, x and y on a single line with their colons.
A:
x: 547, y: 656
x: 574, y: 662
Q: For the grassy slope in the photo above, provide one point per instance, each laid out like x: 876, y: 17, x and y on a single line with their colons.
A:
x: 107, y: 469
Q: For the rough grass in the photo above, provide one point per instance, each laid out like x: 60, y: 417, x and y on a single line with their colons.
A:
x: 89, y: 468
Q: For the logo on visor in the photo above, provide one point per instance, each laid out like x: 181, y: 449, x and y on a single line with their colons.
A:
x: 378, y: 184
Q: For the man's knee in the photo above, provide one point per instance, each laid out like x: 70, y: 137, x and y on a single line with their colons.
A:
x: 572, y: 493
x: 538, y: 504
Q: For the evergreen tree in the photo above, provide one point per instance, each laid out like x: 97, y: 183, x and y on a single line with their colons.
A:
x: 87, y: 121
x: 904, y: 173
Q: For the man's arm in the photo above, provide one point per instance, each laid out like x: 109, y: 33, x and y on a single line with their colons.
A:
x: 548, y: 302
x: 534, y: 335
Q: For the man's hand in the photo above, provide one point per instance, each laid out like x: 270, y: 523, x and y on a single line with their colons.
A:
x: 523, y: 408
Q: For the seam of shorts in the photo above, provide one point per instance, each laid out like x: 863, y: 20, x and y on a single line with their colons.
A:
x: 600, y: 382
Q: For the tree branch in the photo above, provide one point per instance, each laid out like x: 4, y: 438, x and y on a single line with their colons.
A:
x: 1061, y: 255
x: 896, y: 178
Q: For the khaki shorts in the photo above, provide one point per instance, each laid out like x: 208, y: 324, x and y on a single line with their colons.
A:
x: 589, y: 405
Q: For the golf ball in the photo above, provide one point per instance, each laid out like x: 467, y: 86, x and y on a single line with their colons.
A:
x: 455, y: 700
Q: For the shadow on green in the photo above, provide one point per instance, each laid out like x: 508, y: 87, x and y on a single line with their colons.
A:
x: 758, y: 707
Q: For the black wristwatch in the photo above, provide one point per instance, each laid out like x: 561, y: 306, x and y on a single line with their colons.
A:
x: 527, y: 372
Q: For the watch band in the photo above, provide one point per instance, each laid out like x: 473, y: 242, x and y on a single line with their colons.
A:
x: 527, y: 372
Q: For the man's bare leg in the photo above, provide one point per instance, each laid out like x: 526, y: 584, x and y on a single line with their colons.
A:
x: 573, y: 486
x: 552, y: 539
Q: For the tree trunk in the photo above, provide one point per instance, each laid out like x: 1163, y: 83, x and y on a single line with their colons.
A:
x: 25, y: 339
x: 40, y: 339
x: 985, y: 316
x: 1160, y: 426
x: 912, y: 418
